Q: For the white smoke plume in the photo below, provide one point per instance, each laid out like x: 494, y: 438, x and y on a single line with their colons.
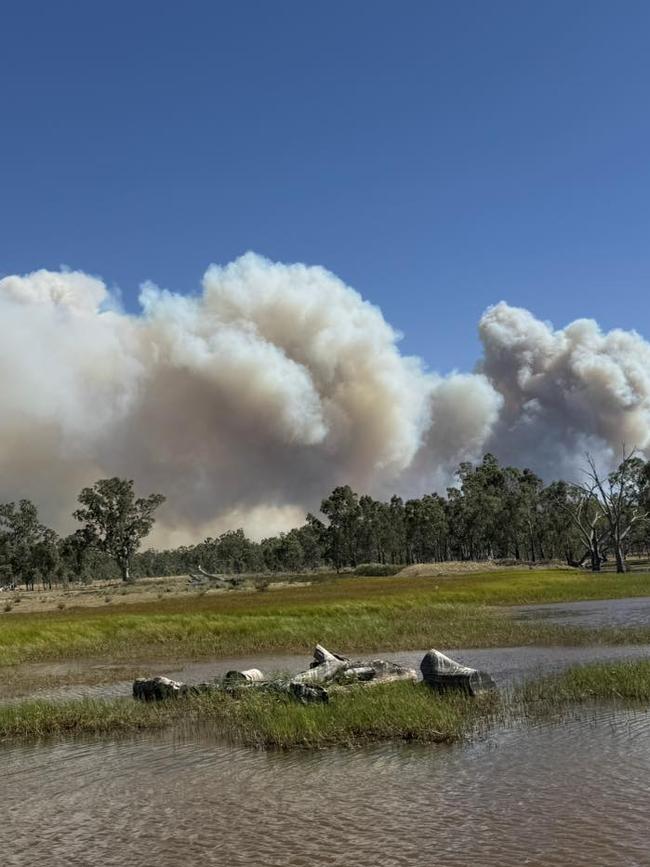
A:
x: 565, y: 391
x: 247, y: 403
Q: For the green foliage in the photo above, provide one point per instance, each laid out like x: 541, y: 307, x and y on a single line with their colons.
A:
x: 27, y: 548
x: 496, y: 513
x: 628, y: 680
x: 115, y: 521
x: 377, y: 570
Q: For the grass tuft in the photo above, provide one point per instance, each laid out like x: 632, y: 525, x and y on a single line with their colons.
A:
x: 627, y: 681
x: 399, y: 711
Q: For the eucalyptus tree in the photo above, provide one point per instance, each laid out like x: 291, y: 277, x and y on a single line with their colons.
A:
x: 342, y: 510
x: 617, y: 498
x: 115, y: 520
x: 20, y: 533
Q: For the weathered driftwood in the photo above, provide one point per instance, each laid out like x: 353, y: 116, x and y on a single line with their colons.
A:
x: 157, y: 689
x: 334, y: 673
x: 443, y: 673
x: 323, y: 668
x: 329, y: 674
x: 251, y: 675
x: 201, y: 577
x: 375, y: 671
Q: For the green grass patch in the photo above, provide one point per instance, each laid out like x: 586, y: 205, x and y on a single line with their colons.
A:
x: 350, y: 614
x: 627, y: 681
x: 398, y: 711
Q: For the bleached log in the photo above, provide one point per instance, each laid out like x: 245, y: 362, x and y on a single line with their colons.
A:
x: 157, y: 689
x: 443, y: 673
x: 232, y: 580
x: 376, y: 671
x: 327, y: 665
x: 251, y: 675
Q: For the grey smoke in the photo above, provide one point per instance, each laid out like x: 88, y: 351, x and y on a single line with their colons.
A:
x: 245, y: 404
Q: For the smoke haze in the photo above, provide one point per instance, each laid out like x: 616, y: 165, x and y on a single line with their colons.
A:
x: 247, y: 403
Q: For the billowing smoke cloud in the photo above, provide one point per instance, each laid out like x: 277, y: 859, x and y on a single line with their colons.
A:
x: 566, y: 391
x: 247, y: 403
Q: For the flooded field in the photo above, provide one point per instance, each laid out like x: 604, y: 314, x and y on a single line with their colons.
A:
x: 626, y: 613
x: 508, y: 666
x: 558, y: 793
x: 568, y: 794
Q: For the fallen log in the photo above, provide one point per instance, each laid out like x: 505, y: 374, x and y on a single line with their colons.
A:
x: 324, y: 667
x: 330, y: 673
x: 251, y: 675
x: 376, y: 671
x: 201, y: 578
x: 443, y: 673
x: 158, y: 689
x: 331, y: 668
x: 232, y: 580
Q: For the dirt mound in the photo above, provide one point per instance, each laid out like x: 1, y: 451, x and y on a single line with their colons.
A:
x: 433, y: 570
x: 454, y: 567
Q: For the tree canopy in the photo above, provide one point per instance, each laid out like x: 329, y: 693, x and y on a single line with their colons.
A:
x: 115, y: 521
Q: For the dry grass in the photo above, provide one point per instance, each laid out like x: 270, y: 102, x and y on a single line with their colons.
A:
x: 453, y: 568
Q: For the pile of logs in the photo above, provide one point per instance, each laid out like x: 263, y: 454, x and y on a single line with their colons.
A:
x: 328, y: 674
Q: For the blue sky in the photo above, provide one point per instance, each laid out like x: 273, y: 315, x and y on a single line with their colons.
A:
x: 438, y: 157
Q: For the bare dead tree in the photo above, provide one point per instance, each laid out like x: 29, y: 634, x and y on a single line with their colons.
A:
x: 585, y: 515
x: 617, y: 501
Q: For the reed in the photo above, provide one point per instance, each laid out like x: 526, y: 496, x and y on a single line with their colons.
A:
x: 399, y: 711
x: 627, y: 681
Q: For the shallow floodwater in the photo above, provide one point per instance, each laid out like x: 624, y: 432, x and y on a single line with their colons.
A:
x: 568, y: 794
x: 593, y: 614
x: 508, y: 665
x: 564, y: 793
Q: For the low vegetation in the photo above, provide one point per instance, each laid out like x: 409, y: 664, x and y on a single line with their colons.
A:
x: 352, y: 614
x: 398, y: 711
x: 627, y: 681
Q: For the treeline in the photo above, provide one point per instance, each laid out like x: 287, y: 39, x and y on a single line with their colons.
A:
x: 113, y: 524
x: 495, y: 512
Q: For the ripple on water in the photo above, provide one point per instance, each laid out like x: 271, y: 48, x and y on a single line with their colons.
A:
x: 549, y: 794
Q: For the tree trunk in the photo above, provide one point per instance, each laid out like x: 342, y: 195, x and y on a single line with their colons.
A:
x: 125, y: 569
x: 594, y: 552
x: 621, y: 566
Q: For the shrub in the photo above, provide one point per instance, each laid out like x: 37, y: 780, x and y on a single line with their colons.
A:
x: 377, y: 570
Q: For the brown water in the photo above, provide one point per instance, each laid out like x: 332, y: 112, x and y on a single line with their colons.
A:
x: 508, y: 665
x: 568, y: 794
x: 596, y: 613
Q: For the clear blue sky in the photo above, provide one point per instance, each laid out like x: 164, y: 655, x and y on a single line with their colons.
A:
x: 437, y: 156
